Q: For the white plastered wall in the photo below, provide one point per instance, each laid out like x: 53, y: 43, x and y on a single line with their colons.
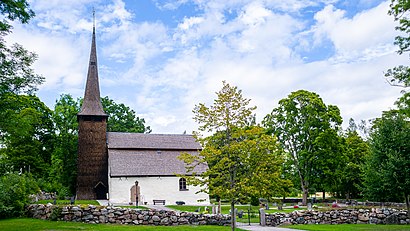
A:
x: 154, y: 188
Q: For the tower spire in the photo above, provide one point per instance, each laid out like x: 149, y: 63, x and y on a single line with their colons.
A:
x: 92, y: 102
x: 92, y: 158
x: 93, y: 20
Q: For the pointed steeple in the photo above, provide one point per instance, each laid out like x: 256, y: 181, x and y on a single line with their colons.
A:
x: 92, y: 102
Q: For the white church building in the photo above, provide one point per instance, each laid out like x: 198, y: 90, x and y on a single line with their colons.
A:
x: 149, y: 162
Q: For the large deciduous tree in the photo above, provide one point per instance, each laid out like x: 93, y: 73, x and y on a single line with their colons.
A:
x: 242, y: 160
x: 355, y: 153
x: 16, y: 73
x: 302, y: 122
x: 12, y: 10
x: 64, y: 158
x: 26, y: 134
x: 387, y: 169
x: 400, y: 75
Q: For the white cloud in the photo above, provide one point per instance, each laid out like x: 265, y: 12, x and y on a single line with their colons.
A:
x: 163, y: 71
x: 368, y: 34
x: 59, y: 56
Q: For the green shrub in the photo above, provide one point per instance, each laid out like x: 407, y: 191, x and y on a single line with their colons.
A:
x: 254, y: 201
x: 56, y: 213
x: 14, y: 194
x: 63, y: 193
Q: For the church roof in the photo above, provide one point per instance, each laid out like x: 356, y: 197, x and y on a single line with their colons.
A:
x: 147, y: 163
x: 92, y: 102
x: 137, y: 154
x: 120, y: 140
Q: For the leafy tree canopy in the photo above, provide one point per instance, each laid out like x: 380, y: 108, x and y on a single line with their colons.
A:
x: 14, y: 193
x: 356, y: 151
x: 387, y: 169
x: 242, y: 160
x: 302, y: 122
x: 121, y: 118
x: 12, y: 10
x: 400, y: 75
x: 229, y: 110
x: 16, y: 73
x: 26, y: 134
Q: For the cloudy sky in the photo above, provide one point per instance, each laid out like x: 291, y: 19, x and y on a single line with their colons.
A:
x: 161, y: 57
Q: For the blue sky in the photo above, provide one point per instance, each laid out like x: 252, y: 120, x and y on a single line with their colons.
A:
x: 163, y: 57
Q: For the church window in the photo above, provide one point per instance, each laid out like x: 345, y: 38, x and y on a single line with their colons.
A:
x: 182, y: 185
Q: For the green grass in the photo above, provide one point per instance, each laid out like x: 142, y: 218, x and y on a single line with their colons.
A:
x: 225, y: 208
x: 254, y: 217
x: 133, y: 207
x: 67, y: 202
x: 187, y: 208
x: 41, y: 225
x: 285, y: 210
x: 350, y: 227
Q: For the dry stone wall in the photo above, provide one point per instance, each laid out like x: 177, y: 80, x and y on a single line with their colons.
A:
x: 343, y: 216
x: 98, y: 214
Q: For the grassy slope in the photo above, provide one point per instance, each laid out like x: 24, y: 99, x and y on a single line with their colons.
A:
x: 40, y: 225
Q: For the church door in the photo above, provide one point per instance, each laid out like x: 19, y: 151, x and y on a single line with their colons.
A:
x: 100, y: 191
x: 134, y: 194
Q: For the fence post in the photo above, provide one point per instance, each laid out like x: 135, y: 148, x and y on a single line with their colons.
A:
x: 262, y: 217
x: 249, y: 217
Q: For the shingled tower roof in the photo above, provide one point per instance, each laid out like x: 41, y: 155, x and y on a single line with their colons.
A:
x: 92, y: 102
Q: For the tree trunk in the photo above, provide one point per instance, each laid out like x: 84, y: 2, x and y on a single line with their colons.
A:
x: 305, y: 192
x: 407, y: 204
x: 323, y: 196
x: 233, y: 215
x: 219, y: 206
x: 304, y: 185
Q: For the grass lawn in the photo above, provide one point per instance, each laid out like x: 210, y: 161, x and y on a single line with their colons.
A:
x: 350, y: 227
x: 41, y: 225
x: 285, y: 210
x: 133, y: 207
x: 254, y: 216
x: 225, y: 208
x: 67, y: 202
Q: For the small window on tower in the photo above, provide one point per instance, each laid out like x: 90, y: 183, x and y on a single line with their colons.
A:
x: 182, y: 185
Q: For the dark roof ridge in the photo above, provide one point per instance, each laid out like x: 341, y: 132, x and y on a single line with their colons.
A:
x: 124, y: 140
x: 158, y: 134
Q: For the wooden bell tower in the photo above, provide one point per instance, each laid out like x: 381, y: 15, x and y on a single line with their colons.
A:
x: 92, y: 160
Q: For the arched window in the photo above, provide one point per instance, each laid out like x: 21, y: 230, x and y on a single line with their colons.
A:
x: 182, y: 185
